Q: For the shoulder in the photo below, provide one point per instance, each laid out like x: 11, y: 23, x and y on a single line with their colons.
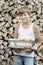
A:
x: 35, y: 27
x: 16, y: 25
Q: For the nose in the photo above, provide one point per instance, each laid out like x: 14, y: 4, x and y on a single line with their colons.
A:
x: 22, y: 17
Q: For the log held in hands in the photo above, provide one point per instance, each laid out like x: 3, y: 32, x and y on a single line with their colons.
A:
x: 18, y: 43
x: 34, y: 46
x: 22, y: 41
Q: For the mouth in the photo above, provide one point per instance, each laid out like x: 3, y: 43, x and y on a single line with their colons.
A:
x: 24, y: 20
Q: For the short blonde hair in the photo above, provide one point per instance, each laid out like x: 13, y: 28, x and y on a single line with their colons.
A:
x: 23, y: 9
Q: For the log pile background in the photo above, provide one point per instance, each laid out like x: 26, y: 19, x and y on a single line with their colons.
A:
x: 8, y: 11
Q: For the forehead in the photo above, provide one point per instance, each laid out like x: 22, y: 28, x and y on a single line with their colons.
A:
x: 23, y: 12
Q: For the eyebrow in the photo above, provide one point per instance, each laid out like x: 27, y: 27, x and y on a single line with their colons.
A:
x: 21, y: 12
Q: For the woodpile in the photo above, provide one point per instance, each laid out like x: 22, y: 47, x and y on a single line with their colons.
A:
x: 8, y: 11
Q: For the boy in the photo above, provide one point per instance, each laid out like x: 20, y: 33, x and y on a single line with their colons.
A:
x: 28, y: 31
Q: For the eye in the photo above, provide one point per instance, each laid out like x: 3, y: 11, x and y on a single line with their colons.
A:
x: 24, y: 14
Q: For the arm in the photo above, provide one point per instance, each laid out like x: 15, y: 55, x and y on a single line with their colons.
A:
x: 16, y: 36
x: 16, y: 31
x: 38, y: 37
x: 37, y: 34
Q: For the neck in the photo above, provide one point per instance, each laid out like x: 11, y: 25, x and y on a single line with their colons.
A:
x: 26, y: 25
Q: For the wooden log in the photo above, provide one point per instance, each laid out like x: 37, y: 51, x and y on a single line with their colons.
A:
x: 15, y: 20
x: 1, y: 2
x: 4, y: 62
x: 1, y: 19
x: 1, y: 41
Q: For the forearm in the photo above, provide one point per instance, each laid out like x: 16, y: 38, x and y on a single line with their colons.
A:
x: 15, y: 34
x: 38, y: 44
x: 39, y: 41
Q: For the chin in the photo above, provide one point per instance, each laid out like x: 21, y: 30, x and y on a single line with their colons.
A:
x: 25, y: 22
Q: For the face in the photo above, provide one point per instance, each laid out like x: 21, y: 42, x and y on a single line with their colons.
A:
x: 25, y: 17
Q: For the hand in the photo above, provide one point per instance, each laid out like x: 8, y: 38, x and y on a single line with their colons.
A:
x: 17, y: 50
x: 35, y: 47
x: 27, y: 50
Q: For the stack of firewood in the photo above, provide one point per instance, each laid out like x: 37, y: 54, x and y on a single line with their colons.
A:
x: 8, y: 12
